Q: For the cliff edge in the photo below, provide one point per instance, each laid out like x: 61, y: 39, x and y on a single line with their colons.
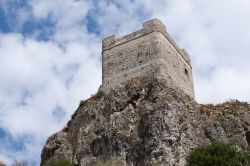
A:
x: 144, y: 122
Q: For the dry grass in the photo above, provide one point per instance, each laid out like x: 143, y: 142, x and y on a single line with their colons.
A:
x: 231, y: 107
x: 107, y: 163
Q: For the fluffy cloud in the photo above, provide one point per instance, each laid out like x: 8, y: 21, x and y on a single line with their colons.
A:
x: 41, y: 79
x: 46, y: 71
x: 42, y: 82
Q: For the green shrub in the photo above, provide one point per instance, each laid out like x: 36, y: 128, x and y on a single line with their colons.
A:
x: 106, y: 163
x: 59, y: 163
x: 218, y: 154
x: 2, y: 163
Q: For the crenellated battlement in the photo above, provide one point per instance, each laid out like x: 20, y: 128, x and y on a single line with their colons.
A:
x: 148, y: 51
x: 154, y: 25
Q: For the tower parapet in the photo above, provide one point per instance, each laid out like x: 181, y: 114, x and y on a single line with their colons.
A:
x: 148, y: 51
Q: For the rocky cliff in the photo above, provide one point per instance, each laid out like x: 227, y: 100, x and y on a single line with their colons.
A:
x: 144, y: 123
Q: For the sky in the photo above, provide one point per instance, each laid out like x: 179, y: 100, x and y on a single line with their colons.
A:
x: 50, y: 57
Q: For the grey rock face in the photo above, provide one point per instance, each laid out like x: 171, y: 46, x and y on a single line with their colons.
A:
x: 58, y: 147
x: 143, y: 122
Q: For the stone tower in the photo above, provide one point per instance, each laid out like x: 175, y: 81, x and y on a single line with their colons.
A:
x: 149, y: 51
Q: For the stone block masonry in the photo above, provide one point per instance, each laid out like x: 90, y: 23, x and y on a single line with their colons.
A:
x: 149, y: 51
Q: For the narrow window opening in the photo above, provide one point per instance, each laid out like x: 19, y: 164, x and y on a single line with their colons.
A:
x: 186, y: 72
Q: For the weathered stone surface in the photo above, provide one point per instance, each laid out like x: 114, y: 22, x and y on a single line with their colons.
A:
x: 57, y: 148
x: 148, y: 51
x: 144, y: 122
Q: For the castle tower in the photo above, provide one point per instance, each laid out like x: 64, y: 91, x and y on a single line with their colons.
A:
x: 148, y: 51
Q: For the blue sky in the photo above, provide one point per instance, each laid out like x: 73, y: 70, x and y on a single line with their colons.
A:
x: 50, y: 57
x: 3, y: 25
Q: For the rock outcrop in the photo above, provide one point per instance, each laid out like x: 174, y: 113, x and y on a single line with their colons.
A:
x: 144, y: 123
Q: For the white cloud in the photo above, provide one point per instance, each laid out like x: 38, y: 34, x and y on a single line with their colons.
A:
x: 225, y: 83
x: 36, y: 78
x: 69, y: 17
x: 118, y: 18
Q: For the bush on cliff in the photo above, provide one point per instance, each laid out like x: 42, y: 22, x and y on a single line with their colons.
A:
x: 2, y: 163
x: 107, y: 163
x: 59, y: 163
x: 218, y: 154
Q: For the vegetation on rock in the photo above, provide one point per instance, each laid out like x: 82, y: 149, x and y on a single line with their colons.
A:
x: 2, y: 163
x: 218, y: 154
x: 59, y: 163
x: 230, y: 107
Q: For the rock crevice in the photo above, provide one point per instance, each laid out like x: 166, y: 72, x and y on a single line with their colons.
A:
x: 143, y: 123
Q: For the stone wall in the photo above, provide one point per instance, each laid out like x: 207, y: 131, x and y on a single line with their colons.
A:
x: 146, y: 52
